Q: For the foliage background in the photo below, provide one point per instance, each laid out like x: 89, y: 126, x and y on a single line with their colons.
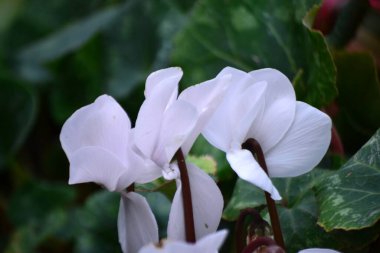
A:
x: 57, y: 56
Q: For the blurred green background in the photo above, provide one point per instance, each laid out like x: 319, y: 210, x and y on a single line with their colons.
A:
x: 57, y: 56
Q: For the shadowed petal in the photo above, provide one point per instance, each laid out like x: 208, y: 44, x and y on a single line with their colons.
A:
x: 151, y: 113
x: 280, y: 106
x: 205, y: 97
x: 246, y: 167
x: 178, y: 122
x: 220, y: 129
x: 103, y: 123
x: 136, y: 223
x: 249, y: 112
x: 167, y: 76
x: 207, y: 206
x: 95, y: 164
x: 303, y: 146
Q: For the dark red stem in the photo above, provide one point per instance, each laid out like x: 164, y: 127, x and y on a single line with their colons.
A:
x: 254, y: 147
x: 131, y: 188
x: 186, y: 195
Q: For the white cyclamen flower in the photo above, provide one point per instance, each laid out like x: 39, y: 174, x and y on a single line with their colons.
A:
x: 167, y: 122
x: 96, y: 140
x: 208, y: 244
x: 293, y: 135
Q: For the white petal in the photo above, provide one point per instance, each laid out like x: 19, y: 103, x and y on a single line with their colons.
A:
x: 316, y: 250
x: 147, y: 171
x: 280, y: 106
x: 169, y: 246
x: 168, y: 75
x: 208, y: 244
x: 250, y: 109
x: 244, y: 164
x: 136, y: 223
x: 205, y: 97
x: 103, y: 123
x: 207, y: 206
x: 303, y: 146
x: 178, y: 122
x: 212, y: 242
x: 221, y: 128
x: 95, y: 164
x: 150, y: 116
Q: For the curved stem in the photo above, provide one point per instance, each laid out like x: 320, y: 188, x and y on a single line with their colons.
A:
x: 186, y: 195
x: 254, y: 147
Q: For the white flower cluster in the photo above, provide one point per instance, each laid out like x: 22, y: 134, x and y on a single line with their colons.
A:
x: 102, y: 147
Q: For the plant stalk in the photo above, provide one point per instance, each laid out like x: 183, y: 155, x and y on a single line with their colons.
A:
x: 254, y: 147
x: 186, y: 195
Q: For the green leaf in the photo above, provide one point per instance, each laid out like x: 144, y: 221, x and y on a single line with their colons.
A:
x: 65, y: 41
x: 96, y: 224
x: 160, y: 206
x: 201, y: 148
x: 18, y: 109
x: 35, y: 200
x: 35, y: 236
x: 298, y: 213
x: 350, y: 198
x: 359, y: 98
x: 206, y: 162
x: 300, y: 229
x: 251, y: 35
x: 8, y: 11
x: 245, y: 195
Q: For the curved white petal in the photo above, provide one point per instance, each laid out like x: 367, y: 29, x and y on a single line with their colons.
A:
x: 95, y: 164
x: 178, y: 122
x: 252, y: 104
x: 147, y: 171
x: 280, y: 106
x: 316, y: 250
x: 136, y: 223
x: 168, y: 75
x: 246, y: 167
x: 221, y: 128
x: 103, y: 123
x: 212, y: 242
x: 205, y: 97
x: 207, y: 206
x: 151, y: 114
x: 303, y: 146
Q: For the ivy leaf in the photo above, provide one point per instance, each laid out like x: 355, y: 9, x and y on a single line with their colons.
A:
x: 251, y: 35
x: 292, y: 190
x: 350, y: 198
x: 245, y: 195
x: 300, y: 229
x: 298, y: 214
